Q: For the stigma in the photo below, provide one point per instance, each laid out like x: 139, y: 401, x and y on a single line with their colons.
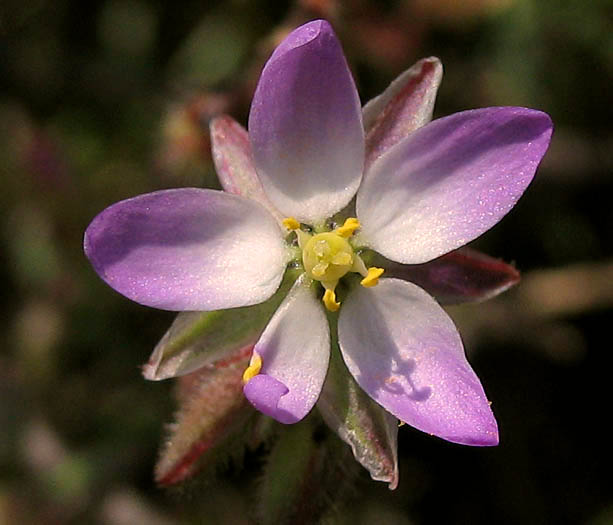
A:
x: 329, y: 256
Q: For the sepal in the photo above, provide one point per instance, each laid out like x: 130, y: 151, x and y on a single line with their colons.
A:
x: 196, y: 339
x: 406, y: 105
x: 463, y: 275
x: 233, y: 160
x: 212, y: 413
x: 365, y: 426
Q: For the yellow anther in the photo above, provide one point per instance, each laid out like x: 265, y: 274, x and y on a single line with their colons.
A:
x: 255, y: 365
x: 372, y: 278
x: 291, y: 224
x: 329, y: 300
x: 347, y: 229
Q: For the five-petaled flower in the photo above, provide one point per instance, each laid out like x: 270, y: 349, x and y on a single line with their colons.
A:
x: 421, y: 190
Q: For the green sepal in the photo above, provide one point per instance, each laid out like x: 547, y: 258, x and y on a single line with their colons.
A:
x: 306, y: 475
x: 196, y: 339
x: 370, y: 431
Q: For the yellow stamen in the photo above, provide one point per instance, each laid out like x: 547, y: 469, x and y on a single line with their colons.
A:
x: 255, y: 365
x: 329, y: 300
x: 347, y: 229
x: 372, y: 278
x: 291, y: 224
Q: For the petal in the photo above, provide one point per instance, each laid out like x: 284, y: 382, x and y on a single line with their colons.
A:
x: 295, y: 349
x: 463, y: 275
x: 405, y: 106
x: 234, y: 162
x: 188, y: 249
x: 305, y: 126
x: 405, y: 352
x: 450, y: 181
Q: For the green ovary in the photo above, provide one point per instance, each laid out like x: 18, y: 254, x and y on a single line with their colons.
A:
x: 327, y: 257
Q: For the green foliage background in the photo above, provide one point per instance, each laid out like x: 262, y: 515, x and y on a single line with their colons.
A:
x: 103, y: 100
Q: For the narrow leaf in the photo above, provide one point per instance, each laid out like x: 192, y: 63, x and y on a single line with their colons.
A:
x: 365, y: 426
x: 196, y: 339
x: 463, y: 275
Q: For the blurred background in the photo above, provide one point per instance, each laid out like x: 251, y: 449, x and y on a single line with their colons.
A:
x: 104, y: 100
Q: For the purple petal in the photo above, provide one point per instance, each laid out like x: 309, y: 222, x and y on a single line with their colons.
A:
x: 295, y: 349
x: 459, y: 276
x: 188, y: 249
x: 450, y: 181
x: 234, y: 162
x: 265, y: 393
x: 306, y: 126
x: 405, y: 106
x: 405, y: 352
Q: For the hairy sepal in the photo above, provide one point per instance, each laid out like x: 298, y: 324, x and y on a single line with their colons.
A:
x: 212, y: 415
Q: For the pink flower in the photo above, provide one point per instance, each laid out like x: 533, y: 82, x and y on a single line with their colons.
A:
x: 422, y: 189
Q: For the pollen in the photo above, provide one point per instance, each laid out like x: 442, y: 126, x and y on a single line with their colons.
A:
x: 255, y: 365
x: 291, y: 224
x: 347, y: 229
x: 372, y: 277
x: 329, y: 300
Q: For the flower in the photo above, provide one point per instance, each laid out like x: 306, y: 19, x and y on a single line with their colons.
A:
x: 421, y: 190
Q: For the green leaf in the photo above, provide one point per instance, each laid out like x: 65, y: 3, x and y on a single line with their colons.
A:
x: 365, y: 426
x: 196, y: 339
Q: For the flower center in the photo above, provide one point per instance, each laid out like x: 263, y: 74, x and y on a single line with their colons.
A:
x: 328, y: 256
